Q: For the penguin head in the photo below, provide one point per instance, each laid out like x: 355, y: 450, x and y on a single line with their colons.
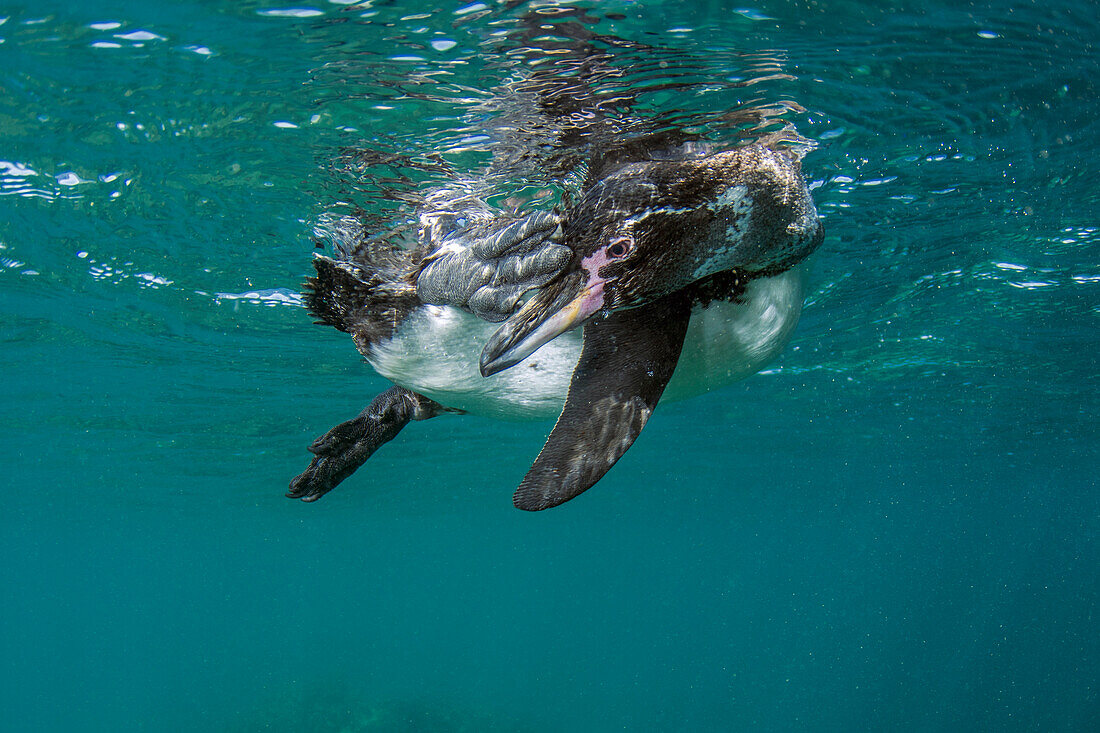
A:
x: 651, y: 228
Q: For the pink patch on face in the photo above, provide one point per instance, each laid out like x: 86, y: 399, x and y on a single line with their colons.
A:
x: 591, y: 298
x: 593, y: 262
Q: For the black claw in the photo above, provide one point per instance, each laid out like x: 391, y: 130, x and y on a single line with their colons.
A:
x: 322, y: 476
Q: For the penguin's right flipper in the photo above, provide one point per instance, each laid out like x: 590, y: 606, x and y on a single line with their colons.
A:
x: 340, y: 451
x: 626, y: 361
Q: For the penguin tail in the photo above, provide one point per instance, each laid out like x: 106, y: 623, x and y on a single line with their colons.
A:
x: 351, y: 296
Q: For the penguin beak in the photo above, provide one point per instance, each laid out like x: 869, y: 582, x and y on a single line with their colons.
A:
x: 554, y: 309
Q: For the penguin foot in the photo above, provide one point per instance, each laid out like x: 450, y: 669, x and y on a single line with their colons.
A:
x: 340, y: 451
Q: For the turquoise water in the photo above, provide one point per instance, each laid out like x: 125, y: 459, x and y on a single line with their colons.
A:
x: 892, y: 528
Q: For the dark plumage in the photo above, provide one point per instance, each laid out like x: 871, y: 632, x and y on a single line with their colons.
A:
x: 363, y: 298
x: 650, y: 228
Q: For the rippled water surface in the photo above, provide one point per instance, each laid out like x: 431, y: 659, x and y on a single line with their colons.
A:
x: 894, y: 527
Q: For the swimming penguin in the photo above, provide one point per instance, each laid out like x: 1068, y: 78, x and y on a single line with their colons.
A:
x: 678, y: 270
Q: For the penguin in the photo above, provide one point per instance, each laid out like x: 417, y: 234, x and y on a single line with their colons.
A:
x: 671, y: 269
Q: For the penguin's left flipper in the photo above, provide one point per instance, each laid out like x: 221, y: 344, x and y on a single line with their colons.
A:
x: 346, y: 447
x: 626, y: 361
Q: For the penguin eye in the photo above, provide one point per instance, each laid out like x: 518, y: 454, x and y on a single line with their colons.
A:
x: 620, y: 248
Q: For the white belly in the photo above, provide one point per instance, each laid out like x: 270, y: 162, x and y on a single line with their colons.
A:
x: 435, y: 352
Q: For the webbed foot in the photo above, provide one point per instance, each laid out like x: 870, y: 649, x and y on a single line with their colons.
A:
x: 340, y: 451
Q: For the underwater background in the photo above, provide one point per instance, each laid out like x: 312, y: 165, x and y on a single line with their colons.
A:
x: 894, y: 527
